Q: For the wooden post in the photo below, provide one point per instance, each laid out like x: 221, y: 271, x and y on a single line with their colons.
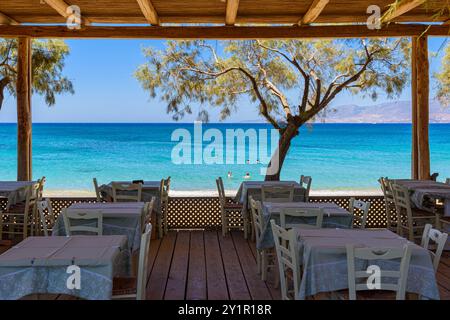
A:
x: 414, y: 145
x: 422, y: 96
x: 23, y: 88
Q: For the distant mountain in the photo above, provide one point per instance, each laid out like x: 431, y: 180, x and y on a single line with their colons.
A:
x: 390, y: 112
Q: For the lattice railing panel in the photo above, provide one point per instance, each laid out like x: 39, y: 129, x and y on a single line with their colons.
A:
x: 204, y: 212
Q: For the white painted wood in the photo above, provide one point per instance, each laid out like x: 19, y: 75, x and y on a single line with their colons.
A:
x: 415, y: 222
x: 438, y: 238
x: 119, y: 187
x: 141, y: 283
x: 288, y: 260
x: 227, y: 209
x: 277, y: 193
x: 363, y: 207
x: 357, y: 279
x: 305, y: 182
x: 47, y: 221
x: 447, y: 181
x: 389, y: 203
x: 301, y: 213
x: 97, y: 190
x: 80, y: 214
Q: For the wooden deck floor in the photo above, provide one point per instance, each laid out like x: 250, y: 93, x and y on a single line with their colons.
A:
x: 203, y: 265
x: 198, y: 265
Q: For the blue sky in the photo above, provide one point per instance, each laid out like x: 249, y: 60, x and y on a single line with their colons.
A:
x: 106, y: 91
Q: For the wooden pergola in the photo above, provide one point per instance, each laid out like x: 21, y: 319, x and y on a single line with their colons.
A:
x: 225, y: 19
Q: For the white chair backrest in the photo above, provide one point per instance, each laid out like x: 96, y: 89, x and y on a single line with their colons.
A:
x: 95, y: 216
x: 390, y: 280
x: 164, y: 189
x: 363, y: 207
x: 289, y: 215
x: 439, y: 239
x: 386, y: 188
x: 48, y: 220
x: 287, y: 255
x: 143, y: 263
x: 258, y: 219
x: 447, y: 181
x: 126, y: 191
x: 221, y: 190
x: 97, y: 190
x: 401, y: 198
x: 40, y: 191
x: 147, y: 211
x: 277, y: 193
x: 305, y: 182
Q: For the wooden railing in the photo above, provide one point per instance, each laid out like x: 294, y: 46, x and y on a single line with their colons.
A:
x: 204, y: 212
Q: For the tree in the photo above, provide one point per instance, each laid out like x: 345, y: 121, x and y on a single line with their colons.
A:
x: 47, y: 65
x: 443, y: 79
x: 291, y: 82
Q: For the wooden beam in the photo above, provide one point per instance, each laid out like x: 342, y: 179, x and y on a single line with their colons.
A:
x: 414, y: 107
x: 4, y: 19
x: 265, y: 32
x: 149, y: 11
x: 61, y: 6
x: 403, y: 7
x: 23, y: 87
x: 232, y: 10
x: 313, y: 12
x: 423, y: 96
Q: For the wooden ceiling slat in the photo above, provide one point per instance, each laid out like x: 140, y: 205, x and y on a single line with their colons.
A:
x: 264, y: 32
x: 403, y: 7
x: 314, y: 11
x: 149, y: 11
x: 232, y: 10
x: 4, y: 19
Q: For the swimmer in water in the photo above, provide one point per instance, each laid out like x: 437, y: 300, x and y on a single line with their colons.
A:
x: 247, y: 176
x: 230, y: 175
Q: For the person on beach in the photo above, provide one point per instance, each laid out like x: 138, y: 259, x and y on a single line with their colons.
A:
x: 230, y: 175
x: 247, y: 176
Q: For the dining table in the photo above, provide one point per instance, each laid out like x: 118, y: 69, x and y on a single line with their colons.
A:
x: 47, y: 265
x: 14, y: 191
x: 424, y: 193
x: 322, y: 254
x: 119, y: 218
x: 334, y: 217
x: 253, y: 189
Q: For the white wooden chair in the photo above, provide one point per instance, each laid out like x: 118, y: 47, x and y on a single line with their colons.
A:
x: 439, y: 239
x: 132, y: 288
x: 415, y: 219
x: 389, y: 203
x: 305, y: 182
x: 357, y: 279
x: 147, y: 212
x: 317, y: 214
x: 288, y: 261
x: 447, y: 181
x: 98, y: 194
x: 228, y: 211
x: 94, y: 216
x: 47, y: 221
x: 364, y: 209
x: 163, y: 224
x: 22, y: 219
x: 126, y: 192
x: 265, y: 258
x: 277, y: 193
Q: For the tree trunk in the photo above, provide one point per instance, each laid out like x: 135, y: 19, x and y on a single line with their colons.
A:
x: 3, y: 83
x: 276, y: 163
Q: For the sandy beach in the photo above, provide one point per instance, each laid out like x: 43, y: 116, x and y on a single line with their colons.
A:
x: 211, y: 193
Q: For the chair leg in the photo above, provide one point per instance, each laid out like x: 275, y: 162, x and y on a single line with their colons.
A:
x: 264, y: 266
x: 245, y: 228
x: 224, y: 226
x: 160, y: 227
x: 166, y: 222
x: 258, y: 261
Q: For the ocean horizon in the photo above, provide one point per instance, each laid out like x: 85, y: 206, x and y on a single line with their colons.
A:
x: 339, y: 156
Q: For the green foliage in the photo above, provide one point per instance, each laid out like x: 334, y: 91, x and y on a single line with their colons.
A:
x: 289, y: 81
x: 48, y: 58
x: 443, y: 79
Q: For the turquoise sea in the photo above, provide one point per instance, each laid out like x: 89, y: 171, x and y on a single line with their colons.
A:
x: 338, y: 156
